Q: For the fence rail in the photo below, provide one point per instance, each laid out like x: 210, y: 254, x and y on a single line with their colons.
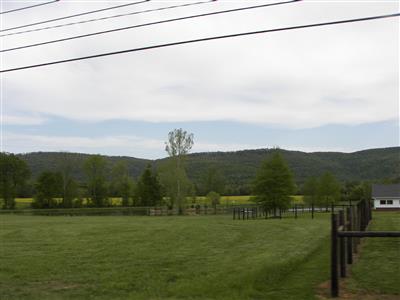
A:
x: 347, y: 228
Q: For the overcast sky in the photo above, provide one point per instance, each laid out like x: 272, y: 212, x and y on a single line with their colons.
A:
x: 330, y: 88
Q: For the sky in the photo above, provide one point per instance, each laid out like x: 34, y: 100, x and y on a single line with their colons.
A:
x: 333, y: 88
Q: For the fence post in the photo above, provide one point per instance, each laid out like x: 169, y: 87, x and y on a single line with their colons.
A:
x: 312, y: 210
x: 342, y: 246
x: 349, y: 239
x: 295, y: 211
x: 354, y: 226
x: 334, y: 261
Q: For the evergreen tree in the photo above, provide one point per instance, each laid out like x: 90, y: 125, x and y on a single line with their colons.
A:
x: 148, y: 189
x: 274, y: 185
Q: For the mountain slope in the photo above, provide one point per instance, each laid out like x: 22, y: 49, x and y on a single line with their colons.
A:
x: 240, y: 167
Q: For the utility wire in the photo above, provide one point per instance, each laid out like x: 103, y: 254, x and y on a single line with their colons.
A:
x: 75, y: 15
x: 108, y: 17
x: 147, y: 24
x: 27, y: 7
x: 202, y: 40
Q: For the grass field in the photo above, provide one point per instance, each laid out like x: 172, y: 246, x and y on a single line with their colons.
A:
x: 378, y: 268
x: 22, y: 203
x: 210, y: 257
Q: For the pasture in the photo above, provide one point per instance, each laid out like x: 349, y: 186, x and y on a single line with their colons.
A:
x: 378, y: 269
x: 209, y: 257
x: 190, y: 257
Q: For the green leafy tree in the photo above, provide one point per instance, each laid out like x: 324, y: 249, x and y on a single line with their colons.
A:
x: 168, y: 177
x: 310, y: 190
x: 49, y: 187
x: 14, y: 173
x: 178, y: 146
x: 214, y: 199
x: 328, y: 190
x: 122, y: 184
x: 95, y: 170
x: 148, y: 189
x: 274, y: 185
x: 69, y: 185
x: 213, y: 180
x: 359, y: 192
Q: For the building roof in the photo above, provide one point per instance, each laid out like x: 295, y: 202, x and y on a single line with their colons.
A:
x: 385, y: 190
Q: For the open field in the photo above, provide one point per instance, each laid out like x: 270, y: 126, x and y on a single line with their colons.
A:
x: 22, y: 203
x: 378, y: 268
x: 162, y: 258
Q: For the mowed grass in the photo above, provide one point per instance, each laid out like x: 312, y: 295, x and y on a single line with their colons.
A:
x: 208, y: 257
x: 378, y: 268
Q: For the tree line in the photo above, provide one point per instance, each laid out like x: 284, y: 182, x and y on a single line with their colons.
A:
x: 167, y: 185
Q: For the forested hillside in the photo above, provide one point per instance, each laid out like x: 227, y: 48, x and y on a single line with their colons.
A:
x: 240, y: 167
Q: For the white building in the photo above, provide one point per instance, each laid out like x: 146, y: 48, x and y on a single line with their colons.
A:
x: 386, y: 196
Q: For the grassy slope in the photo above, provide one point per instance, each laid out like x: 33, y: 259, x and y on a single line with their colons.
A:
x: 158, y: 258
x: 378, y: 269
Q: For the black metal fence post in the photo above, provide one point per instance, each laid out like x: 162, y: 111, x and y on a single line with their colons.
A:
x: 354, y: 226
x: 334, y: 260
x: 342, y: 246
x: 312, y: 210
x: 349, y: 239
x: 295, y: 211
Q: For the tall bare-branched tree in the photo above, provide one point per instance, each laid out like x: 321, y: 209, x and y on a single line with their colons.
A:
x: 179, y: 143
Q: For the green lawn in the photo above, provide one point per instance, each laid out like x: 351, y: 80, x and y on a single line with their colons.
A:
x: 378, y: 269
x: 208, y: 257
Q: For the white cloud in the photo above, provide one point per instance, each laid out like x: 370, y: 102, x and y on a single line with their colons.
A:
x: 22, y: 120
x: 346, y: 74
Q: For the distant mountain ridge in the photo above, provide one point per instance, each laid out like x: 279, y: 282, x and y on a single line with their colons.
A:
x: 240, y: 167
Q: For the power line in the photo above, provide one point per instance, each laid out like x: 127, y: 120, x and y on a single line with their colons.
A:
x: 75, y: 15
x: 27, y: 7
x: 148, y: 24
x: 202, y: 40
x: 108, y: 17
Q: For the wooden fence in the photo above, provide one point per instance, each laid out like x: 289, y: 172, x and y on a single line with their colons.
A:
x: 348, y: 226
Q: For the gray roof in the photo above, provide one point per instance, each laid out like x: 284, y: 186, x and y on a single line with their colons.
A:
x: 385, y: 190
